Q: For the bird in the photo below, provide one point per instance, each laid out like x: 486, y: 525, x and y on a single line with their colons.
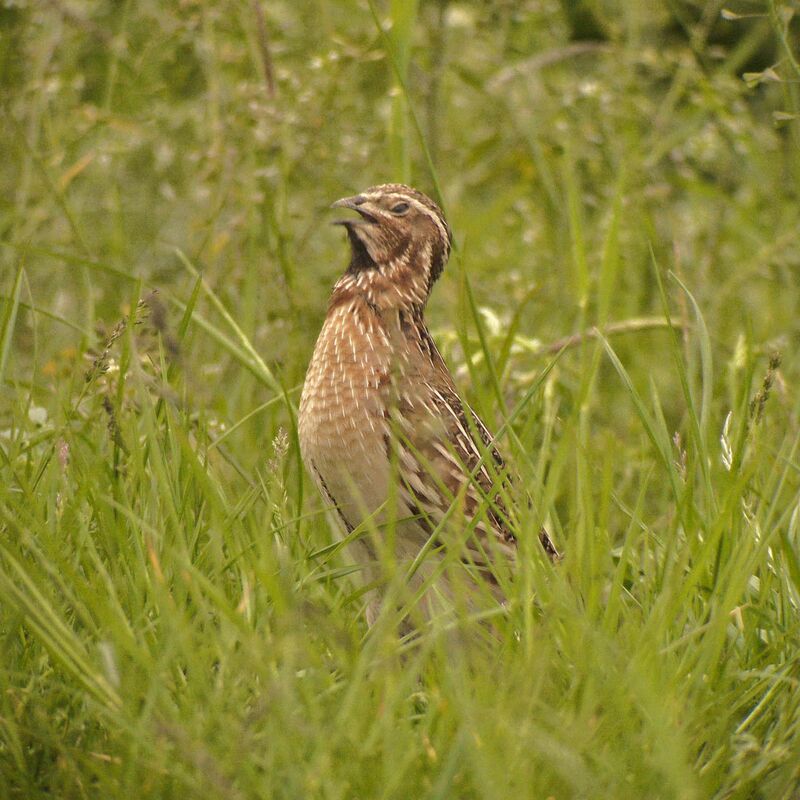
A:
x: 382, y: 428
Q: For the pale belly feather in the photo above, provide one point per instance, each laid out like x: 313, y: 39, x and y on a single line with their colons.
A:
x: 343, y: 425
x: 345, y: 434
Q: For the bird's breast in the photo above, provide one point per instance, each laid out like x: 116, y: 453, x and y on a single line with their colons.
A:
x: 343, y: 424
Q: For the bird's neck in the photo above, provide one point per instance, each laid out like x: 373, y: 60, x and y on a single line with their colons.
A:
x: 400, y: 284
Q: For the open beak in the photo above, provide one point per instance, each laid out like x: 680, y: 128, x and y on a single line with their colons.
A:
x: 356, y: 203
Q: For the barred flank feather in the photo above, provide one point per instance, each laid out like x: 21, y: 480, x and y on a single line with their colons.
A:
x: 380, y: 416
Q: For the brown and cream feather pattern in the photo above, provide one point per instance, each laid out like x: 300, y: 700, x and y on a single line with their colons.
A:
x: 380, y: 416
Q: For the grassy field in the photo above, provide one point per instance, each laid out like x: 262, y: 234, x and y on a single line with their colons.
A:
x: 622, y: 182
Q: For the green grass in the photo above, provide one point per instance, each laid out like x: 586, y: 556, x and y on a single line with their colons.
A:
x: 176, y: 619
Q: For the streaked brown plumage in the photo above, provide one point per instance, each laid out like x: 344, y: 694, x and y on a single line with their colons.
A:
x: 380, y: 417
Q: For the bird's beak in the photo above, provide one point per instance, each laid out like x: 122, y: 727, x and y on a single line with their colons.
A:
x: 348, y: 202
x: 357, y: 203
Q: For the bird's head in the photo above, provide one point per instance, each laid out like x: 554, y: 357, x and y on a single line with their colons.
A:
x: 400, y: 236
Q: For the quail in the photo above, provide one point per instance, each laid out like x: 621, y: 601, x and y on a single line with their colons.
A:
x: 382, y: 429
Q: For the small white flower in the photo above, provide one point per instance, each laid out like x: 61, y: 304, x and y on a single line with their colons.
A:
x: 37, y: 415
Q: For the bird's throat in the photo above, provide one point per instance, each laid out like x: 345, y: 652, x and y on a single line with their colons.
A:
x: 360, y: 259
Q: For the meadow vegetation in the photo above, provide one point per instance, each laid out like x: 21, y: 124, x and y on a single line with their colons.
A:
x: 622, y: 179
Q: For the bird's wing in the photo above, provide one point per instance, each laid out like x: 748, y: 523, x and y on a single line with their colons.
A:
x: 447, y: 455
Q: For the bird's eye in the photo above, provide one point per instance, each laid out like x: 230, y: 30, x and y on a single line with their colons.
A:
x: 400, y: 208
